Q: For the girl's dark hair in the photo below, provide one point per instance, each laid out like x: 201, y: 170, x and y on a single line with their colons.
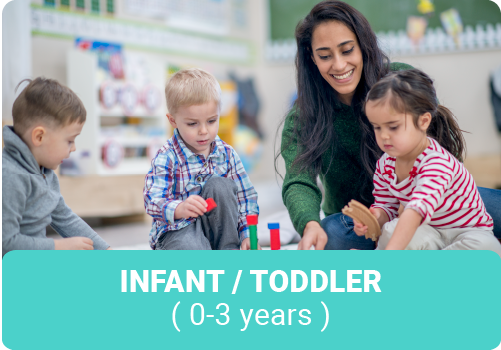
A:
x: 412, y: 91
x: 317, y: 100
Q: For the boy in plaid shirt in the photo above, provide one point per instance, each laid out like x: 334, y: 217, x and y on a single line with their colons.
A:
x: 195, y: 164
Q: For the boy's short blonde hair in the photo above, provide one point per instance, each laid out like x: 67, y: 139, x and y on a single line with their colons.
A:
x: 46, y: 101
x: 191, y: 87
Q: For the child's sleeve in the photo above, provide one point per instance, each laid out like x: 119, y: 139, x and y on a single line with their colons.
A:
x: 433, y: 178
x: 159, y: 200
x: 14, y: 196
x: 68, y: 224
x: 383, y: 198
x: 246, y: 194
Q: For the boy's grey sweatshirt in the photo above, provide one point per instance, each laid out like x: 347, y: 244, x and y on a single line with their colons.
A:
x: 31, y: 200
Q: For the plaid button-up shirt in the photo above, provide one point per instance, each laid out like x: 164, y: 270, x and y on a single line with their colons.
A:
x: 177, y: 173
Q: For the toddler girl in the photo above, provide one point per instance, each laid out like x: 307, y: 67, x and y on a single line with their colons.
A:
x: 420, y: 170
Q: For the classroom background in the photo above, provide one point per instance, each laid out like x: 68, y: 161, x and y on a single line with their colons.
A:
x: 118, y: 54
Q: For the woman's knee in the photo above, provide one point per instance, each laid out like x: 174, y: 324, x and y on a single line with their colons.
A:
x: 340, y: 234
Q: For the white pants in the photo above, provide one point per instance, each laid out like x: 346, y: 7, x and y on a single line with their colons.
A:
x: 430, y: 238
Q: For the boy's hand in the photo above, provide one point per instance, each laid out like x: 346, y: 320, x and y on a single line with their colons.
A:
x: 246, y: 245
x: 74, y: 243
x: 192, y: 207
x: 361, y: 229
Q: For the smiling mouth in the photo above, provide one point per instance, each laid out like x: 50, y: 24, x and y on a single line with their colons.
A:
x: 344, y: 76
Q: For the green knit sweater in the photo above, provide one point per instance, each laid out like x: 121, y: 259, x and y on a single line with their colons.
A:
x: 343, y: 180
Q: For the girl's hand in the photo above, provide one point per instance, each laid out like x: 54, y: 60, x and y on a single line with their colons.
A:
x: 359, y: 228
x: 313, y: 234
x: 194, y: 206
x: 246, y: 245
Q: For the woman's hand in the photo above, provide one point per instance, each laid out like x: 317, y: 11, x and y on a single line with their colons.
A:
x: 313, y: 234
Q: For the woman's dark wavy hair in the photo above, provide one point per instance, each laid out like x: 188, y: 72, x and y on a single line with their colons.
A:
x: 317, y: 99
x: 412, y: 91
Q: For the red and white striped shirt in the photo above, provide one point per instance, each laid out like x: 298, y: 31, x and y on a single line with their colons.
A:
x: 438, y: 187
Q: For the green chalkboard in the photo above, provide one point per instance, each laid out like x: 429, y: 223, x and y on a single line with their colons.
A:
x: 383, y: 15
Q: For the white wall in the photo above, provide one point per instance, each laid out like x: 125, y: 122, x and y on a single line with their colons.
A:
x: 461, y: 80
x: 462, y: 83
x: 16, y: 52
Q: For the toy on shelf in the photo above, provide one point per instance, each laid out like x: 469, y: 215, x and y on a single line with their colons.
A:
x: 210, y: 204
x: 358, y: 211
x: 112, y: 153
x: 274, y: 235
x: 252, y: 223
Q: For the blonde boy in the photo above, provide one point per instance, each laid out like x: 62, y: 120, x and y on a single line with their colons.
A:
x: 195, y: 164
x: 47, y: 118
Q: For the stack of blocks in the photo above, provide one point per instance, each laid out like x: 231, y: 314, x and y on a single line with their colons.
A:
x: 252, y: 223
x: 274, y: 235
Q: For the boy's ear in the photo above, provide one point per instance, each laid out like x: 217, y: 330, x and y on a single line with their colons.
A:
x: 172, y: 121
x: 424, y: 121
x: 37, y: 135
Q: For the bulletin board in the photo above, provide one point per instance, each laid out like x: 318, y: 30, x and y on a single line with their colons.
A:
x: 383, y: 15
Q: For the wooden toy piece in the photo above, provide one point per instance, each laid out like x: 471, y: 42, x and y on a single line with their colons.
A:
x: 210, y: 204
x: 274, y: 235
x: 251, y: 223
x: 358, y: 211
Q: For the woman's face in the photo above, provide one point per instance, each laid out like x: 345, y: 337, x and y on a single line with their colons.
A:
x: 337, y: 54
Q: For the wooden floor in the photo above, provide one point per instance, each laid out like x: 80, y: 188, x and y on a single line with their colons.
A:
x: 486, y: 170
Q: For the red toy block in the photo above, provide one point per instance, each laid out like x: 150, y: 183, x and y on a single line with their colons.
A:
x: 275, y: 239
x: 210, y: 204
x: 251, y: 220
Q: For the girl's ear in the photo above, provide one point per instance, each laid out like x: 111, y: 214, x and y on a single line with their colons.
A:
x: 424, y: 121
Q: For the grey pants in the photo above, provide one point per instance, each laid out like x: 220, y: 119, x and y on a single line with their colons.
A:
x: 215, y: 230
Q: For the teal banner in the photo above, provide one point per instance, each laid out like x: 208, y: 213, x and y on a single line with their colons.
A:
x: 251, y: 300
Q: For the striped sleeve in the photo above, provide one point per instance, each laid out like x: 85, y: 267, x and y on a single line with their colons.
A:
x: 433, y: 179
x: 383, y: 198
x: 246, y: 194
x: 158, y: 196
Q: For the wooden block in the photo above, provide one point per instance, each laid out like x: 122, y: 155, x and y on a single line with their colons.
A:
x: 358, y: 211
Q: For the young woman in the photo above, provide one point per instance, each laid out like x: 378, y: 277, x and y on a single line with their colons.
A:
x: 338, y: 61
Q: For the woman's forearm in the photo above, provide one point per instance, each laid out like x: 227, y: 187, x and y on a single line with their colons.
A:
x: 407, y: 225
